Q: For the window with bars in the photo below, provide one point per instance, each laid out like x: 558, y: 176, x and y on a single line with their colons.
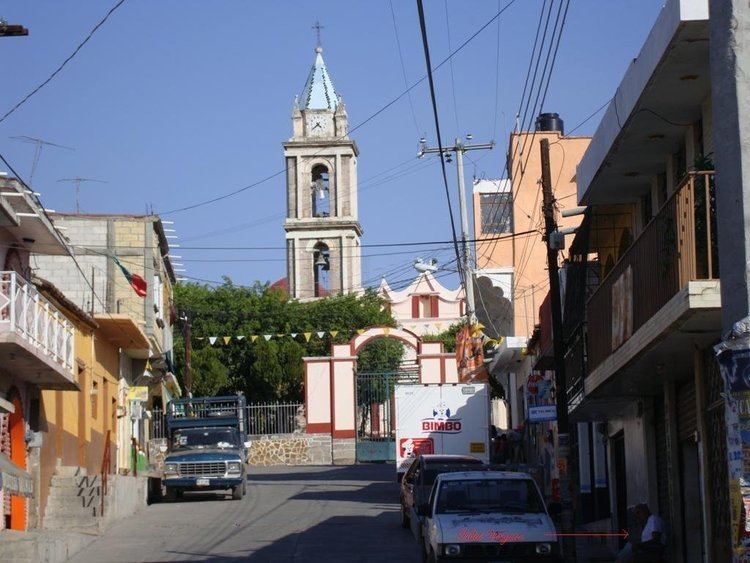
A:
x: 496, y: 213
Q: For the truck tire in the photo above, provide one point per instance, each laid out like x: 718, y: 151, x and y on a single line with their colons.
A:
x: 238, y: 491
x: 170, y: 494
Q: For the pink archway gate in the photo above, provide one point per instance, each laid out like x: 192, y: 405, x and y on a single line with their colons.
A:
x: 330, y: 385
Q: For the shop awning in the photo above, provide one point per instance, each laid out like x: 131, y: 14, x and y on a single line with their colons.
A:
x: 13, y: 479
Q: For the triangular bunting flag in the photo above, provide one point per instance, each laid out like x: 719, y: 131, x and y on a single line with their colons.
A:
x: 334, y: 333
x: 227, y: 339
x: 320, y: 334
x: 360, y: 330
x: 267, y: 337
x: 307, y: 335
x: 212, y: 339
x: 386, y: 330
x: 253, y: 337
x: 201, y: 338
x: 280, y: 335
x: 294, y: 334
x: 240, y: 337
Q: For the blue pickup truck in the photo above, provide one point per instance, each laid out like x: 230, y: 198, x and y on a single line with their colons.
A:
x: 207, y: 448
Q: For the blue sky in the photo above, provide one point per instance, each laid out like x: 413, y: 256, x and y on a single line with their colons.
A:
x: 177, y: 101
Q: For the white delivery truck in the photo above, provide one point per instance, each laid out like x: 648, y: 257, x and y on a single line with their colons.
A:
x: 441, y: 418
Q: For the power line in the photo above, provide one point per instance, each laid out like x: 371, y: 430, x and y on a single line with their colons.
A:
x: 64, y: 244
x: 521, y: 162
x: 353, y: 129
x: 64, y: 63
x: 371, y: 245
x: 453, y: 78
x: 403, y: 69
x: 426, y: 48
x: 597, y: 110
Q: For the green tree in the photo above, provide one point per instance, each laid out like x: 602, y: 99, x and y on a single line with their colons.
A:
x: 266, y: 370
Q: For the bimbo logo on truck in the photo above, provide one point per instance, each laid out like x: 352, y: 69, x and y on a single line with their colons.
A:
x: 441, y: 421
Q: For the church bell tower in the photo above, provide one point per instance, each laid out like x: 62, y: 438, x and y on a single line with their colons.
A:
x: 322, y: 227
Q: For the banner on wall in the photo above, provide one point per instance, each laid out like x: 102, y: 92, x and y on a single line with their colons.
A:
x: 733, y: 356
x: 470, y: 356
x: 540, y: 397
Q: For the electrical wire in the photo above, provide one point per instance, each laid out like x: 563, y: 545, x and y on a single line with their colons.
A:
x: 453, y: 78
x: 426, y: 48
x: 356, y: 127
x: 63, y: 243
x: 64, y: 63
x: 403, y: 68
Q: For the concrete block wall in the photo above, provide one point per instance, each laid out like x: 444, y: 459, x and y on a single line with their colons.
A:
x: 62, y: 271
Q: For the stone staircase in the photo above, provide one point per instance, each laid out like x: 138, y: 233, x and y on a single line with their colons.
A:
x: 74, y: 501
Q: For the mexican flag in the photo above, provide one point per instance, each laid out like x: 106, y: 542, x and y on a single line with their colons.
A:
x: 138, y: 284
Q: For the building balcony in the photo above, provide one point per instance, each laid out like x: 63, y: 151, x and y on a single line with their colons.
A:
x: 36, y: 339
x: 658, y: 302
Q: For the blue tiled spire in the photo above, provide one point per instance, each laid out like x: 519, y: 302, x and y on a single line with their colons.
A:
x: 319, y: 92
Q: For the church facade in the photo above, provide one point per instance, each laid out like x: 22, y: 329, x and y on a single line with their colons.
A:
x: 322, y: 226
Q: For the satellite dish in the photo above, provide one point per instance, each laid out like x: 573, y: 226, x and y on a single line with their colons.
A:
x: 422, y: 266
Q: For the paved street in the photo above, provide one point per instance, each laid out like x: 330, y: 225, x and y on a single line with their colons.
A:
x: 289, y: 514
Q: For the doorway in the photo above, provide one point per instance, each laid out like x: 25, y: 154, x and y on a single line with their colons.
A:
x: 692, y: 526
x: 16, y: 428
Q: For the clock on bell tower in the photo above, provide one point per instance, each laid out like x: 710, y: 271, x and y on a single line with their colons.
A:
x: 322, y: 227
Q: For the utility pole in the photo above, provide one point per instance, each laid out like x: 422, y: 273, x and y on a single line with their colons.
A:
x: 77, y: 182
x: 188, y: 350
x: 459, y: 148
x: 561, y: 392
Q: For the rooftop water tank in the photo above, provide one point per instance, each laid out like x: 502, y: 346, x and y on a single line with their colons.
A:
x: 550, y: 122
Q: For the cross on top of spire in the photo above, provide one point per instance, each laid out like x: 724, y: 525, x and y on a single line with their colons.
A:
x: 317, y: 27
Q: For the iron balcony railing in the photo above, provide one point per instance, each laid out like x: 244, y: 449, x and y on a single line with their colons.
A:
x: 24, y: 311
x: 677, y: 246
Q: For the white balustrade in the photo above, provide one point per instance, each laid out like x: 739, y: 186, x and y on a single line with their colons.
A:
x: 25, y: 311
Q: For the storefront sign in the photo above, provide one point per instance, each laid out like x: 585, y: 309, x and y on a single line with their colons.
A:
x: 544, y: 413
x: 138, y: 394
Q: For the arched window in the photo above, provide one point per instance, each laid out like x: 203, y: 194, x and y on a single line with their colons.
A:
x: 321, y: 195
x: 321, y: 268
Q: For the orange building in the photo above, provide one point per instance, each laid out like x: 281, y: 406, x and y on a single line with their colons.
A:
x: 511, y: 273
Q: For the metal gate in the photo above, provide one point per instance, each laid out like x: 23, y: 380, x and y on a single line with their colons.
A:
x: 376, y: 413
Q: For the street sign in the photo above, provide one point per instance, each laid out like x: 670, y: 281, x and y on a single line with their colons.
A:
x: 543, y: 413
x: 138, y: 394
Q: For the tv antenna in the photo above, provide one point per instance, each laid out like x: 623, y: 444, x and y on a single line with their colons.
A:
x: 40, y: 144
x: 77, y: 182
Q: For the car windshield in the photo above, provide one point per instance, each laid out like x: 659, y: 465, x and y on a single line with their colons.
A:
x: 489, y: 495
x: 205, y: 438
x: 432, y: 472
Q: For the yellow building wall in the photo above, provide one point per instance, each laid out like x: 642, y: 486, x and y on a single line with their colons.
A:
x: 75, y: 423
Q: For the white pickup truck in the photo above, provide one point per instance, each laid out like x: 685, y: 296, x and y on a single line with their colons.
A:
x: 494, y: 516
